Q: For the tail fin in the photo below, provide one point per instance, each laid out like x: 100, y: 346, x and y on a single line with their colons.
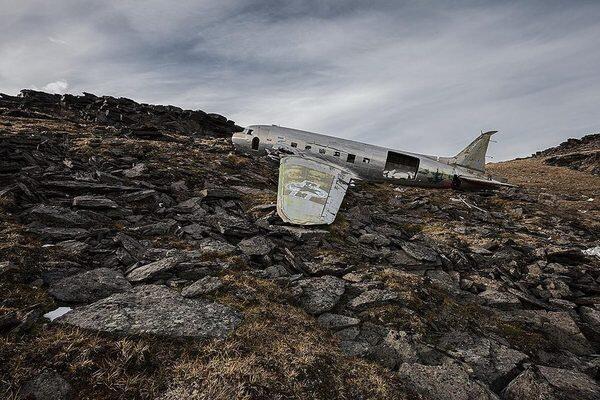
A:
x: 473, y: 156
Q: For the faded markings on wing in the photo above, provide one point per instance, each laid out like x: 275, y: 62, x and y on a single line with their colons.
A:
x: 310, y: 191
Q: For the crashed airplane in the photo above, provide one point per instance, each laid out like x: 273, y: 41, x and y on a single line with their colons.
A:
x: 316, y: 170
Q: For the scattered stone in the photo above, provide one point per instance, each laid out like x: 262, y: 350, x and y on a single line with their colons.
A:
x: 189, y: 206
x: 491, y: 362
x: 539, y: 382
x: 216, y: 248
x: 60, y: 216
x: 8, y: 320
x: 136, y: 171
x: 420, y: 252
x: 336, y: 321
x: 59, y: 234
x: 7, y: 266
x: 374, y: 239
x: 501, y: 300
x: 205, y: 285
x: 48, y: 385
x: 94, y: 202
x: 156, y: 310
x: 89, y: 286
x: 319, y: 295
x: 448, y: 382
x: 157, y: 228
x: 256, y: 246
x: 372, y: 298
x: 154, y: 269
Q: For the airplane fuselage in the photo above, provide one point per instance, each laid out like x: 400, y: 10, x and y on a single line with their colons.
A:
x: 366, y: 161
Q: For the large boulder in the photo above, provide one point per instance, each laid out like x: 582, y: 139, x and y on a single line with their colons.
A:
x: 546, y: 383
x: 319, y: 295
x: 89, y: 286
x: 157, y: 310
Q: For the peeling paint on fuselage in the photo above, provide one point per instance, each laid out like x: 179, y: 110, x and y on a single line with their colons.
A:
x: 369, y: 160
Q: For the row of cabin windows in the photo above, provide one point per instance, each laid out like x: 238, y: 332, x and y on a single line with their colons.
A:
x: 351, y: 157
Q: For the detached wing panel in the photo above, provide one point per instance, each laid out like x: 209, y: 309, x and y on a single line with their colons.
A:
x: 310, y: 191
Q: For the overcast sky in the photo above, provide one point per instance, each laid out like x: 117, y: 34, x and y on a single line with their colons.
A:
x: 414, y: 75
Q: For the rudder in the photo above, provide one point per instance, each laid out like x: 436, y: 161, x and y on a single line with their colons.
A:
x: 473, y: 156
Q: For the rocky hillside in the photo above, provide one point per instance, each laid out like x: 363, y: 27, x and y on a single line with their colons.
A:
x: 580, y: 154
x: 180, y: 281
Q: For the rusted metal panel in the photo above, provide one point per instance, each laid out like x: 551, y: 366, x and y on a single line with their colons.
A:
x: 310, y: 191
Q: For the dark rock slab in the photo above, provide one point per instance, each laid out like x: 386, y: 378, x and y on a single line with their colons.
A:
x: 89, y: 286
x: 59, y: 234
x: 156, y: 310
x: 98, y: 202
x: 59, y: 216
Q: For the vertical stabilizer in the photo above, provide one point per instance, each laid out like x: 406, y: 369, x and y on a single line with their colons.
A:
x: 473, y: 156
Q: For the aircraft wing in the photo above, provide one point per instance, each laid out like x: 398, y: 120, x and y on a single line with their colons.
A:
x: 310, y: 191
x: 476, y: 182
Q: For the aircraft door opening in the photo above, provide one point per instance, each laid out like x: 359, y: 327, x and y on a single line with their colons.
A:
x: 255, y: 142
x: 400, y: 166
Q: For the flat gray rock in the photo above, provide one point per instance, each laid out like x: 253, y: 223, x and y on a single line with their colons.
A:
x: 372, y: 298
x: 336, y: 321
x: 89, y: 286
x: 154, y: 269
x: 206, y: 285
x: 156, y: 310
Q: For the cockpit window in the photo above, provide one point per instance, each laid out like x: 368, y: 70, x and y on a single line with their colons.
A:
x: 248, y: 131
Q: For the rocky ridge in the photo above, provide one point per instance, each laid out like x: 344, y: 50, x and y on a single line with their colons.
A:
x: 167, y: 246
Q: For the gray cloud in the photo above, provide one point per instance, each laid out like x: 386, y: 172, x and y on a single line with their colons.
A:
x: 414, y: 75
